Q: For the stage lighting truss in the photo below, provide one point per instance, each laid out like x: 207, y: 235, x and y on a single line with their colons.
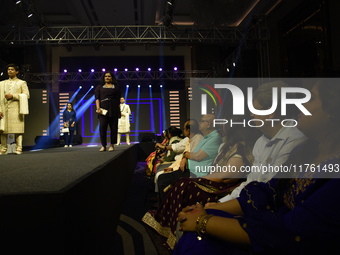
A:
x: 120, y: 75
x: 120, y: 34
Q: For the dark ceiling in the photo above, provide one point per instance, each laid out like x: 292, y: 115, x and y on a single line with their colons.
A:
x: 202, y: 13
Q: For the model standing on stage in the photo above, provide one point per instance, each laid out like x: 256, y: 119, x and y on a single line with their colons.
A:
x: 124, y: 121
x: 69, y: 117
x: 107, y: 99
x: 13, y: 106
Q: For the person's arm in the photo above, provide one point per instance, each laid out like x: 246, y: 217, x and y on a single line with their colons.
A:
x: 64, y: 119
x: 98, y: 106
x: 97, y: 96
x: 233, y: 164
x: 1, y: 114
x: 179, y: 147
x: 74, y: 119
x: 227, y: 229
x: 129, y: 110
x: 198, y: 156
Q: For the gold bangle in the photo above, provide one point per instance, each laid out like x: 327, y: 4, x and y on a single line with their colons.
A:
x: 203, y: 226
x: 197, y: 223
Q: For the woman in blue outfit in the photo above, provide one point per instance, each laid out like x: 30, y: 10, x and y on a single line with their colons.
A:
x: 69, y: 118
x: 298, y: 215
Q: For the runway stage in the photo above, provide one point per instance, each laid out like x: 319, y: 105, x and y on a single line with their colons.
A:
x: 63, y: 200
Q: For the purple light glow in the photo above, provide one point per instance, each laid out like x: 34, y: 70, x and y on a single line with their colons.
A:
x: 92, y: 70
x: 65, y: 70
x: 149, y: 69
x: 175, y: 68
x: 103, y: 69
x: 137, y: 69
x: 160, y: 69
x: 125, y: 69
x: 115, y: 69
x: 79, y: 70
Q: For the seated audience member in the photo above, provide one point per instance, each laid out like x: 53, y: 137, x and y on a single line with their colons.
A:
x: 151, y: 160
x: 178, y: 148
x: 276, y: 143
x: 236, y: 151
x: 173, y: 135
x: 204, y: 153
x: 289, y: 215
x: 190, y: 132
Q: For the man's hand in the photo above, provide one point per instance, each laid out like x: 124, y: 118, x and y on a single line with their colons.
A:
x: 186, y: 155
x: 1, y: 115
x: 183, y: 164
x: 99, y: 111
x: 72, y: 125
x: 9, y: 96
x: 122, y: 114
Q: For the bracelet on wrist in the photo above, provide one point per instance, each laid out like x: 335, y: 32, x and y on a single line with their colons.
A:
x: 198, y: 224
x: 201, y: 229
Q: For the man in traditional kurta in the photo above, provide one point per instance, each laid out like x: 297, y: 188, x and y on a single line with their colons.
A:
x: 124, y: 121
x: 11, y: 92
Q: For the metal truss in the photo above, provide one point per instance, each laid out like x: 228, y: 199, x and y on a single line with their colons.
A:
x: 120, y: 34
x: 120, y: 75
x: 263, y: 35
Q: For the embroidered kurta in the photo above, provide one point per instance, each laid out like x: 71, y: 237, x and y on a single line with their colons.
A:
x: 123, y: 122
x: 14, y: 122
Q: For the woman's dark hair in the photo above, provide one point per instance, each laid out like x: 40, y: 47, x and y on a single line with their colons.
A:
x: 114, y: 80
x: 71, y: 105
x: 192, y: 125
x: 16, y: 68
x: 237, y: 134
x: 173, y: 131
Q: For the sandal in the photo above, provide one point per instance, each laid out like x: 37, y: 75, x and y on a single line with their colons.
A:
x: 111, y: 148
x: 102, y: 149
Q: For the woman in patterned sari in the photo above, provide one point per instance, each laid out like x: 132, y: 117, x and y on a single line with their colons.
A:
x: 298, y: 215
x: 236, y: 151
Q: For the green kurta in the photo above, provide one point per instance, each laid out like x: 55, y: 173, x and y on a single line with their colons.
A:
x: 13, y: 121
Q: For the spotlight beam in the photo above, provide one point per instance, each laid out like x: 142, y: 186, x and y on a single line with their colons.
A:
x: 137, y: 112
x: 85, y: 106
x: 79, y: 102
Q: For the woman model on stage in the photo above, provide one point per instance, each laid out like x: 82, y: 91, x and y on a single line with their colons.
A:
x: 69, y: 117
x: 124, y: 122
x: 107, y: 96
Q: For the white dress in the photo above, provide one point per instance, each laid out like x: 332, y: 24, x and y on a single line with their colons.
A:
x: 123, y: 121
